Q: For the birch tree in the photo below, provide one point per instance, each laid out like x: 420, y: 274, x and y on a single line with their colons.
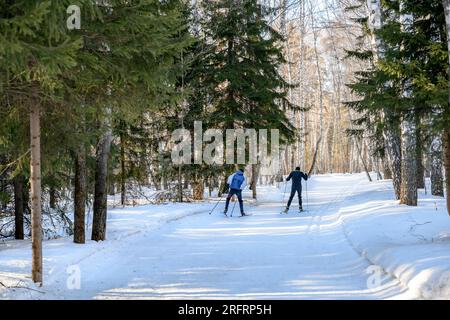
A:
x: 446, y: 133
x: 437, y: 184
x: 408, y: 194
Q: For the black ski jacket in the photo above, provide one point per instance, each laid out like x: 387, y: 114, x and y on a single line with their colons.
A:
x: 296, y: 177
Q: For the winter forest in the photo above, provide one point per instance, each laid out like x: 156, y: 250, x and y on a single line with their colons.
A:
x: 115, y: 126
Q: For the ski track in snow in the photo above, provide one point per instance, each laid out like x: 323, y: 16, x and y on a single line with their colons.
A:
x: 264, y: 256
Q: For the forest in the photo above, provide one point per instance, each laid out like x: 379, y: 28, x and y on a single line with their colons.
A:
x: 92, y: 91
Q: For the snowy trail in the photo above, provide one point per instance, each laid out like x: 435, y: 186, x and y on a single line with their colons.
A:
x: 264, y: 256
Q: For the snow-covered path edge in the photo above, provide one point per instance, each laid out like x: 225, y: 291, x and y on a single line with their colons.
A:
x: 435, y: 288
x: 18, y: 286
x: 404, y: 260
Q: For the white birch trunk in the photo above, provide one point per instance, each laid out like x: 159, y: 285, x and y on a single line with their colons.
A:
x: 101, y: 174
x: 446, y: 133
x: 437, y: 181
x: 409, y: 139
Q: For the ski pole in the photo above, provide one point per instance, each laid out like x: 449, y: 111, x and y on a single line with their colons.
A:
x: 218, y: 201
x: 233, y: 208
x: 307, y: 201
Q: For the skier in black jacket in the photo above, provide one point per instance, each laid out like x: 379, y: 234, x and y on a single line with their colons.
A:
x: 296, y: 177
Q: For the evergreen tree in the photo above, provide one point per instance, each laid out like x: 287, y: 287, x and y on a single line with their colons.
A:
x: 139, y: 41
x: 242, y: 69
x: 407, y: 84
x: 35, y: 51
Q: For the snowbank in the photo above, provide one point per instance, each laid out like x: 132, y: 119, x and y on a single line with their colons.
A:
x: 61, y: 253
x: 410, y: 243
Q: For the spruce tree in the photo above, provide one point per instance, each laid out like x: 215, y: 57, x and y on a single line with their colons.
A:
x: 412, y: 60
x: 137, y: 43
x: 242, y: 69
x: 35, y: 51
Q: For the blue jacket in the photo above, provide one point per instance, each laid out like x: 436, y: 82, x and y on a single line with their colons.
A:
x: 237, y: 180
x: 296, y: 177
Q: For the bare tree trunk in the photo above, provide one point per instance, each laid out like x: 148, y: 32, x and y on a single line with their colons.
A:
x: 420, y: 175
x: 314, y: 159
x: 198, y: 189
x: 18, y: 206
x: 292, y: 150
x: 122, y: 170
x: 301, y: 76
x: 330, y: 141
x: 111, y: 187
x: 360, y: 153
x: 255, y: 174
x: 210, y: 187
x: 79, y: 235
x: 378, y: 168
x: 409, y: 131
x: 35, y: 182
x: 180, y: 184
x: 437, y: 181
x: 363, y: 161
x: 409, y: 165
x: 26, y: 198
x: 156, y: 180
x: 165, y: 182
x: 387, y: 173
x: 446, y: 141
x: 3, y: 188
x: 394, y: 155
x: 446, y: 138
x: 319, y: 78
x: 100, y: 192
x: 52, y: 195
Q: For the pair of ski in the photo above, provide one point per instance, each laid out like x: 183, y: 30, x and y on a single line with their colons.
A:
x: 240, y: 216
x: 286, y: 212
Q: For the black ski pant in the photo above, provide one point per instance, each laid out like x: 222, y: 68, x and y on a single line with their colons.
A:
x: 238, y: 193
x: 293, y: 191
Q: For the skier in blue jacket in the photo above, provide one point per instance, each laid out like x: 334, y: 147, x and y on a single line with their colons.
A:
x: 237, y: 182
x: 296, y: 187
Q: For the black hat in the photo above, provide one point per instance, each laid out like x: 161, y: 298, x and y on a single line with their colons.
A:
x: 297, y: 168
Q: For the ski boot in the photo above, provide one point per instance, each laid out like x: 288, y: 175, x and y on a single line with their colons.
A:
x: 245, y: 214
x: 285, y: 211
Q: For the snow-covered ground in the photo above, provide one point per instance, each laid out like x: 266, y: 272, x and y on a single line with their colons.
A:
x: 351, y: 233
